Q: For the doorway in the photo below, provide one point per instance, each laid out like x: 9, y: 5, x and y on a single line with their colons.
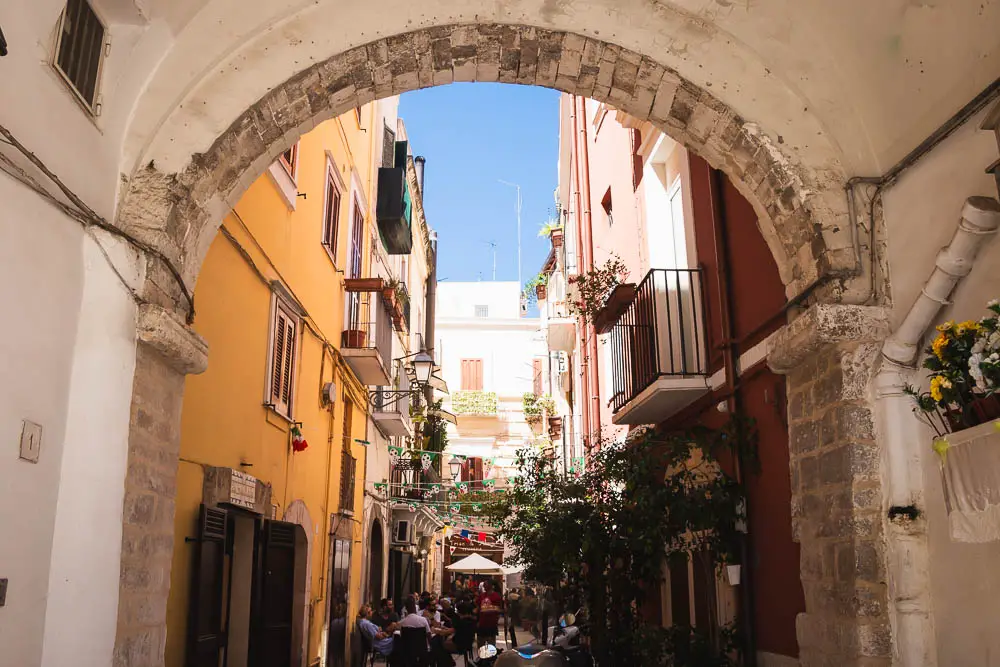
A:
x: 376, y: 562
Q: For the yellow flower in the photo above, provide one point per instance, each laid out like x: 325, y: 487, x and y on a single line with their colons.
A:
x: 939, y: 382
x: 938, y: 346
x: 968, y: 325
x: 946, y: 326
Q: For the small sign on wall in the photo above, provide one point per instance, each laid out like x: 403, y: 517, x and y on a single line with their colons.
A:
x: 226, y: 486
x: 242, y: 490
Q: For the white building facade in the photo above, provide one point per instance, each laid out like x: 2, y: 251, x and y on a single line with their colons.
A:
x: 491, y: 356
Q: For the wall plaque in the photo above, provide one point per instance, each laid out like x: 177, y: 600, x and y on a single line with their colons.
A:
x: 235, y: 488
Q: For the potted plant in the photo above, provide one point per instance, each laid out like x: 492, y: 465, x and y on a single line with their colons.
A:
x: 964, y: 364
x: 353, y: 338
x: 595, y: 287
x: 535, y: 289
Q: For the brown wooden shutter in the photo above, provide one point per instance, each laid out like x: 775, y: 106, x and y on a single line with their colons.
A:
x: 272, y: 609
x: 283, y: 361
x: 206, y: 621
x: 477, y: 374
x: 536, y: 376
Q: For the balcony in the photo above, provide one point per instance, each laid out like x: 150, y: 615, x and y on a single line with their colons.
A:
x: 659, y: 350
x: 394, y: 208
x: 391, y: 410
x: 366, y: 342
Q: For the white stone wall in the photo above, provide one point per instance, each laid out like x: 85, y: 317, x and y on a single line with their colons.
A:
x: 922, y: 211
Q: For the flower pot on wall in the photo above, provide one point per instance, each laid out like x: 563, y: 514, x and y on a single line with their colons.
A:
x: 555, y: 427
x: 541, y: 292
x: 977, y: 412
x: 353, y: 338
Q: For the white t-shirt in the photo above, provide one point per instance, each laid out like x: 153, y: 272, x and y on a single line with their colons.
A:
x: 415, y: 621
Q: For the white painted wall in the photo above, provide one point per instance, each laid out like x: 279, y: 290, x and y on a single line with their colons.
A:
x: 507, y: 344
x: 66, y: 358
x: 965, y: 580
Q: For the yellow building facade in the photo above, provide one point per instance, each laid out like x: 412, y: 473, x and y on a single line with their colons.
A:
x: 267, y: 564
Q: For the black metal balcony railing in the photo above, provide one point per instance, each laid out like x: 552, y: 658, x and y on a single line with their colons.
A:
x: 661, y: 333
x: 369, y: 324
x: 390, y: 399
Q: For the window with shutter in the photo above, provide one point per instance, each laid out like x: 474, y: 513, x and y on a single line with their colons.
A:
x: 388, y: 147
x: 331, y: 214
x: 283, y: 352
x: 206, y: 620
x: 472, y: 374
x: 536, y: 376
x: 80, y: 49
x: 290, y: 160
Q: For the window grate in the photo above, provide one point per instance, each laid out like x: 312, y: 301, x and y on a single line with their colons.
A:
x: 80, y: 49
x: 482, y: 311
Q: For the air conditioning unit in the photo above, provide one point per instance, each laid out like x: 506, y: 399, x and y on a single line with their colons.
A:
x: 403, y: 532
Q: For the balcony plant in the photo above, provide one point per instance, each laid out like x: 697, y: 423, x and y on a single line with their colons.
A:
x: 535, y: 406
x: 964, y: 364
x: 474, y: 402
x: 535, y: 288
x: 550, y: 227
x: 594, y: 287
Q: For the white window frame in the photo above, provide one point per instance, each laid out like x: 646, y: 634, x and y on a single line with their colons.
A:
x: 284, y: 179
x: 285, y: 409
x: 335, y: 180
x: 92, y: 108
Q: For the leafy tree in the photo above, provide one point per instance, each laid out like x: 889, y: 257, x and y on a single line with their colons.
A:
x: 603, y: 536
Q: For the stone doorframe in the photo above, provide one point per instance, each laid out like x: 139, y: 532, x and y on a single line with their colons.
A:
x: 802, y: 216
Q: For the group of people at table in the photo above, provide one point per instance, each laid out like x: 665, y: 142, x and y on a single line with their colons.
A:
x: 450, y: 625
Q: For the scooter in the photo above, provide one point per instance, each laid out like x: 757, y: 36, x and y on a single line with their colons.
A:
x: 564, y: 649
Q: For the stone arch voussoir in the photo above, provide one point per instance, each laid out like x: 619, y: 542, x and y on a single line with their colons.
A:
x: 801, y: 211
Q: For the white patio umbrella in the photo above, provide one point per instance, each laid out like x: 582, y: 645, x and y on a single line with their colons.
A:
x: 475, y: 564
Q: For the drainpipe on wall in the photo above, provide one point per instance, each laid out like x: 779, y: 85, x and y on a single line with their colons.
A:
x: 430, y: 297
x: 583, y: 389
x: 908, y: 556
x: 730, y: 352
x: 594, y: 389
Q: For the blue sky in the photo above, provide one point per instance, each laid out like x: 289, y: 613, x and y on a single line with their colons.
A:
x: 474, y: 135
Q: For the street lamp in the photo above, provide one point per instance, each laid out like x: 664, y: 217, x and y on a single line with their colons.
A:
x: 455, y: 464
x: 423, y: 367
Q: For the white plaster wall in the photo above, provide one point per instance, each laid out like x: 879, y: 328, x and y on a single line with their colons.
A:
x: 965, y: 579
x: 80, y: 620
x: 66, y: 356
x: 42, y: 270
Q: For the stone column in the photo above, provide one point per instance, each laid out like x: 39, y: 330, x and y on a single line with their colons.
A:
x: 167, y: 351
x: 829, y: 355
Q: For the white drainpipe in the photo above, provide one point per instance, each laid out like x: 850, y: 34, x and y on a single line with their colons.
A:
x: 908, y: 557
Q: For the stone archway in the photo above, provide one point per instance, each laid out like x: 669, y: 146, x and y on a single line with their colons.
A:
x: 801, y: 215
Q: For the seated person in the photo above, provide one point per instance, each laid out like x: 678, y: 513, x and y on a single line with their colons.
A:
x: 447, y: 611
x: 464, y: 629
x: 385, y: 618
x: 431, y: 613
x: 381, y: 641
x: 414, y: 620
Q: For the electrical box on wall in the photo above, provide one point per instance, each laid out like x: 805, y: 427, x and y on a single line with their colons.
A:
x: 31, y: 441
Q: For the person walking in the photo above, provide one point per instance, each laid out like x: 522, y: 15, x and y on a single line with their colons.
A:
x: 489, y: 604
x: 512, y: 616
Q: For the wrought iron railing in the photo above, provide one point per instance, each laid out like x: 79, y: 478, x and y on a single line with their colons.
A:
x: 368, y: 325
x: 393, y: 399
x: 661, y: 333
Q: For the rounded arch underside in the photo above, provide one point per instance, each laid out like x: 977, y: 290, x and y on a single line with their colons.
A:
x: 801, y: 211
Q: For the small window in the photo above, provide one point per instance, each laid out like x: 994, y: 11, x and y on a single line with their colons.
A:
x: 606, y: 205
x: 284, y: 344
x: 290, y: 160
x: 331, y: 214
x: 80, y: 50
x: 482, y: 311
x: 472, y: 374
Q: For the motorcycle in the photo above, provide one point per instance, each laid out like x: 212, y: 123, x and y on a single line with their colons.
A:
x: 564, y: 649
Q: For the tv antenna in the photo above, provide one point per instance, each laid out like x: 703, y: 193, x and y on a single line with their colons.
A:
x: 493, y: 247
x: 518, y: 187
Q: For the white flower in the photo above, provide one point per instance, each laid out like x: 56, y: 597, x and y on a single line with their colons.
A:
x: 994, y: 340
x: 979, y: 346
x: 976, y: 372
x: 992, y: 302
